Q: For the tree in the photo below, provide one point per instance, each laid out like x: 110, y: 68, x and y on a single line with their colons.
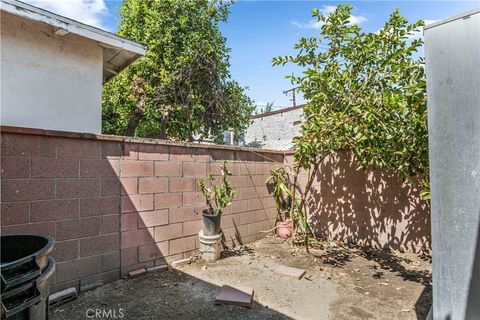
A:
x: 366, y: 93
x: 182, y: 88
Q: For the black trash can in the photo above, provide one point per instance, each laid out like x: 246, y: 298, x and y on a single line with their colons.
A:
x: 24, y: 273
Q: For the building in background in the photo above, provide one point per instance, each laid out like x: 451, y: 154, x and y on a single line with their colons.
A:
x: 274, y: 129
x: 53, y: 69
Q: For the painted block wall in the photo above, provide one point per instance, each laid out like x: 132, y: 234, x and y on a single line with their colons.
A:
x: 274, y: 131
x: 366, y: 207
x: 115, y: 204
x: 49, y: 81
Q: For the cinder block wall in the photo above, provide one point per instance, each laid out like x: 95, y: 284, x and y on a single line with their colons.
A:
x: 115, y: 204
x: 366, y: 207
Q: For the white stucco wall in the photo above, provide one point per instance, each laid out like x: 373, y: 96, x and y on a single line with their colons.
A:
x: 274, y: 131
x: 49, y: 81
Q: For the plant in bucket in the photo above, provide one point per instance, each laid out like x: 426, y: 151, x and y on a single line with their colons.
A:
x: 218, y: 194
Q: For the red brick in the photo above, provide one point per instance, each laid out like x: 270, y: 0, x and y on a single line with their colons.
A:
x: 137, y: 273
x: 78, y: 148
x: 220, y: 155
x: 130, y: 151
x: 239, y: 206
x: 180, y: 214
x: 14, y: 213
x: 247, y: 168
x: 259, y: 180
x: 138, y: 202
x: 152, y: 185
x: 65, y: 250
x: 202, y: 155
x: 182, y: 184
x: 239, y: 181
x: 170, y: 231
x: 129, y: 185
x: 128, y: 221
x: 97, y: 280
x: 153, y: 218
x: 192, y: 227
x: 99, y: 168
x: 128, y: 256
x: 134, y: 238
x: 96, y: 245
x: 168, y: 168
x: 99, y: 206
x: 110, y: 187
x: 182, y: 154
x: 78, y: 228
x: 182, y: 245
x: 41, y: 228
x: 111, y: 150
x: 152, y: 152
x: 54, y: 168
x: 78, y: 268
x: 152, y: 251
x: 54, y: 210
x: 245, y: 193
x: 134, y: 168
x: 110, y: 224
x: 15, y: 167
x: 254, y: 204
x: 20, y: 190
x: 193, y: 198
x: 78, y: 188
x: 110, y: 261
x: 27, y: 145
x: 262, y: 192
x: 168, y: 200
x: 194, y: 169
x: 214, y: 168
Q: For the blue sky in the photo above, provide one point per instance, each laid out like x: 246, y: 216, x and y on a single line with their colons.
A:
x: 257, y: 31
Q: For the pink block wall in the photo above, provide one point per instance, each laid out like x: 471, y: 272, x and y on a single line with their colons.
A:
x: 368, y: 208
x: 116, y: 204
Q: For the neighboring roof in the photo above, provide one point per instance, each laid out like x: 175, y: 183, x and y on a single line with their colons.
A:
x: 118, y: 52
x: 271, y: 113
x: 463, y: 15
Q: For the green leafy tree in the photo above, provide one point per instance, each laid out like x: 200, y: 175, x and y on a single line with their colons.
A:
x: 365, y: 92
x: 182, y: 88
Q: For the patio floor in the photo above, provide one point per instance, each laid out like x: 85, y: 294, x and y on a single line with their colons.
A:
x: 340, y: 283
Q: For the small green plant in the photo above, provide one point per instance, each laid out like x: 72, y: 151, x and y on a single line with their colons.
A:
x: 220, y: 193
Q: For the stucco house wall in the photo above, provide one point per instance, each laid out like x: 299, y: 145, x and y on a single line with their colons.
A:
x: 274, y: 130
x: 49, y: 81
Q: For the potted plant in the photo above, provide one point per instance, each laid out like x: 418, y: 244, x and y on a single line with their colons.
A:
x: 218, y: 195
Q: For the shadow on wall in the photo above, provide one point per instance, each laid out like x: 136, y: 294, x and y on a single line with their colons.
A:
x: 368, y: 207
x: 115, y: 206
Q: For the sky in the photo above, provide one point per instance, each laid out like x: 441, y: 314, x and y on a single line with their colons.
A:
x: 257, y: 31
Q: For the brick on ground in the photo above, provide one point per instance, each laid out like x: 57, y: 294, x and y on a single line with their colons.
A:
x: 290, y: 272
x: 239, y: 296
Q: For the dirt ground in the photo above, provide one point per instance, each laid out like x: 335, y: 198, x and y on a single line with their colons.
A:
x: 340, y: 283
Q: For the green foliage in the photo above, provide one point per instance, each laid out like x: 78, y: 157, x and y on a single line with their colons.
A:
x: 182, y: 88
x: 366, y: 93
x: 220, y: 193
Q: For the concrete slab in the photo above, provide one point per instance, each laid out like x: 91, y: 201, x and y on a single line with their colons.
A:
x: 239, y: 296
